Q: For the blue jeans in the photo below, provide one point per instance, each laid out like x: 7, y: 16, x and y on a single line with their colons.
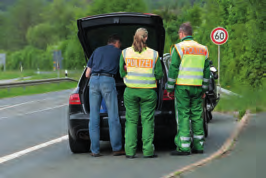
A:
x: 104, y: 87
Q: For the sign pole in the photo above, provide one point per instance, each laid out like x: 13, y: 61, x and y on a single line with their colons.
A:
x: 219, y: 36
x: 219, y: 76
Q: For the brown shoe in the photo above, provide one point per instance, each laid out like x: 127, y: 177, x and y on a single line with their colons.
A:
x: 119, y: 153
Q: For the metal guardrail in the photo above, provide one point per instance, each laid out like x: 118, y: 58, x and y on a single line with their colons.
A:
x: 35, y: 82
x: 225, y: 92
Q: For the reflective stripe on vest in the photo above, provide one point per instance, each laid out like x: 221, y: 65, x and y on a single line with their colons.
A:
x: 140, y: 68
x: 193, y: 56
x: 207, y: 54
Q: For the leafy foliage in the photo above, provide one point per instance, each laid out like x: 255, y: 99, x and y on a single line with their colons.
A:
x: 103, y: 6
x: 31, y: 30
x: 243, y: 56
x: 42, y: 35
x: 30, y: 58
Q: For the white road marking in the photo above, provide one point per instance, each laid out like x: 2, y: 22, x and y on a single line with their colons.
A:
x: 18, y: 104
x: 36, y: 111
x: 4, y: 106
x: 15, y: 105
x: 31, y: 149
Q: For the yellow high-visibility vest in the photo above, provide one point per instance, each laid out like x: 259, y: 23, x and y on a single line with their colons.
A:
x: 140, y: 68
x: 193, y: 56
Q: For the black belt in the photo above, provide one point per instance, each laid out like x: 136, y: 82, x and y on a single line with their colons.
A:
x: 103, y: 74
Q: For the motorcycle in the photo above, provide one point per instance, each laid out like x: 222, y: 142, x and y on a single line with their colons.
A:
x: 212, y: 96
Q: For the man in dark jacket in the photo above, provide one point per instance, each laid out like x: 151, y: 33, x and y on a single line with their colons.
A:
x: 101, y: 69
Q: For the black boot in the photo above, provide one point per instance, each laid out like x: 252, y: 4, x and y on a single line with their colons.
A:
x: 152, y: 156
x: 197, y: 151
x: 179, y: 153
x: 130, y: 157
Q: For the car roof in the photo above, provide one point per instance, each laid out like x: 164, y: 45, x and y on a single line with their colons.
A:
x: 117, y: 14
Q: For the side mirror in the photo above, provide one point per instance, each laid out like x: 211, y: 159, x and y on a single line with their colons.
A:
x: 210, y: 62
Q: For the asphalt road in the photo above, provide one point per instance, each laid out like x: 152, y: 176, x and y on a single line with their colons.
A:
x: 28, y: 121
x: 246, y: 160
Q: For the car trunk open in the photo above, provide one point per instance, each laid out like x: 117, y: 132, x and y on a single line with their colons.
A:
x: 94, y: 31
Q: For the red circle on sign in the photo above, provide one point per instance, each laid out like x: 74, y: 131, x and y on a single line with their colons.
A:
x: 221, y: 42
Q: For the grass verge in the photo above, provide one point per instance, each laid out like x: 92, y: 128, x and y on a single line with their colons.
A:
x: 71, y: 74
x: 36, y: 89
x: 5, y: 75
x: 253, y: 100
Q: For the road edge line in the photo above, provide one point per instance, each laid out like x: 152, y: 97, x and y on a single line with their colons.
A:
x: 222, y: 150
x: 40, y: 110
x: 31, y: 149
x: 38, y: 93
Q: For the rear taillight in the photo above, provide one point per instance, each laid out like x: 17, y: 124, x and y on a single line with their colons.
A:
x: 74, y: 99
x: 165, y: 97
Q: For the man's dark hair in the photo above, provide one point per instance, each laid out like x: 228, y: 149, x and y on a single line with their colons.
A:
x: 113, y: 38
x: 186, y: 28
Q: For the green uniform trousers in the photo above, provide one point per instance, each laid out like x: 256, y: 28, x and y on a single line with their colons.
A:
x: 188, y: 105
x: 143, y: 101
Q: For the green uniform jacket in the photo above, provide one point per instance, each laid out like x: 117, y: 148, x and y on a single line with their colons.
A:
x: 158, y: 71
x: 174, y: 67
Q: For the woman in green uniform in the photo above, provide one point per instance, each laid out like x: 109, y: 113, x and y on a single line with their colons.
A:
x: 142, y: 70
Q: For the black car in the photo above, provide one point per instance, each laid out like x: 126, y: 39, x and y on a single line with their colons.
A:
x: 93, y: 32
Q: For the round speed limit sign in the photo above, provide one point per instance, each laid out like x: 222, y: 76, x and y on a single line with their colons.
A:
x: 219, y: 36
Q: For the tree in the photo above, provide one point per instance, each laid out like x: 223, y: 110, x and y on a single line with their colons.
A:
x: 61, y: 15
x: 103, y: 6
x: 42, y: 35
x: 241, y: 57
x: 21, y: 16
x: 5, y: 3
x: 2, y: 29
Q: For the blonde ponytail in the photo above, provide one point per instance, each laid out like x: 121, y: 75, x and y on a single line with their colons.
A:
x: 139, y: 42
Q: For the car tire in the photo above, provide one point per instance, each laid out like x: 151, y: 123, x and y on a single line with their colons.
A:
x: 171, y: 142
x: 78, y: 146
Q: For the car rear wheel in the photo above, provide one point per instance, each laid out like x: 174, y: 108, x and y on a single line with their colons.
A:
x: 78, y: 146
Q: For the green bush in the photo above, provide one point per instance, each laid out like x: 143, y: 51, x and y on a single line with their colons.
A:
x: 103, y: 6
x: 33, y: 28
x: 30, y: 58
x: 73, y: 54
x: 42, y: 35
x: 248, y: 99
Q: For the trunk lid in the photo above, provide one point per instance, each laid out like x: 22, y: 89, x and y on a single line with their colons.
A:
x: 93, y: 31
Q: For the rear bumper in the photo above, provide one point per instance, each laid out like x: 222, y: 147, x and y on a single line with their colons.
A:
x: 165, y: 125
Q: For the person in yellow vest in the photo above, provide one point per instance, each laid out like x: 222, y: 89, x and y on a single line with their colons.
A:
x: 143, y: 67
x: 189, y: 74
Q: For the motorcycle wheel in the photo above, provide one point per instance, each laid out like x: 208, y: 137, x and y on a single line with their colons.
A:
x: 209, y: 116
x: 205, y: 119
